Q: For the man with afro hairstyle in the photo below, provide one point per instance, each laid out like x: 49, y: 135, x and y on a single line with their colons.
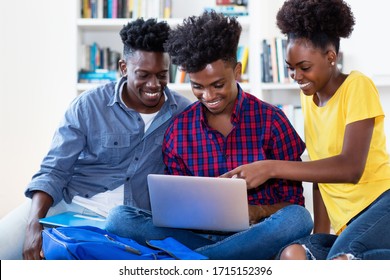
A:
x: 108, y: 142
x: 224, y: 129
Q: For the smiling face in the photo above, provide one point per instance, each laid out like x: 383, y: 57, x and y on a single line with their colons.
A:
x: 311, y: 67
x: 147, y: 76
x: 215, y: 86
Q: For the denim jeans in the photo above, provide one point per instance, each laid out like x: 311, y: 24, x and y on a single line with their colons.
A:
x: 366, y: 237
x: 261, y: 241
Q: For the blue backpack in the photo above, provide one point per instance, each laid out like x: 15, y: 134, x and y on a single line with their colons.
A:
x: 92, y: 243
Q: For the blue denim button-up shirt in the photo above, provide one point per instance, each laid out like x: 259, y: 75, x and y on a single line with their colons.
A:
x: 101, y: 144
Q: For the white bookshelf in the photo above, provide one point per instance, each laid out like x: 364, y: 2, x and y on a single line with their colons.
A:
x: 106, y: 33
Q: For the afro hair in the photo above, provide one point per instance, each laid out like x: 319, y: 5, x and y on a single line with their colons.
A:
x: 320, y: 21
x: 203, y: 39
x: 145, y: 35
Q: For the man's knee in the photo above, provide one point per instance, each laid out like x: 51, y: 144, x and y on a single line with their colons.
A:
x: 293, y: 252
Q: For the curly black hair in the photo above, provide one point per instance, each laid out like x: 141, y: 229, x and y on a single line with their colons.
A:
x: 146, y: 35
x: 320, y: 21
x: 203, y: 39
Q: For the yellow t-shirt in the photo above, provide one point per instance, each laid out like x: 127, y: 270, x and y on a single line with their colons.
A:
x: 356, y: 99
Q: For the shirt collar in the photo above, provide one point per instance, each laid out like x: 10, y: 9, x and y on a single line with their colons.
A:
x: 116, y: 98
x: 238, y: 106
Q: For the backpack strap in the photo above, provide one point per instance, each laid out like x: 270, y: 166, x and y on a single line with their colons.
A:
x: 175, y: 249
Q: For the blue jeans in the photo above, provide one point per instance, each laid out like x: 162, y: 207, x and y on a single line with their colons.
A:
x: 261, y: 241
x: 366, y: 237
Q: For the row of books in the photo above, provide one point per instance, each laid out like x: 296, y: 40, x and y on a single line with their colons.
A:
x: 242, y: 56
x: 230, y: 10
x: 273, y: 61
x: 273, y: 57
x: 150, y: 8
x: 94, y: 57
x: 98, y: 64
x: 125, y: 8
x: 231, y: 7
x: 102, y: 63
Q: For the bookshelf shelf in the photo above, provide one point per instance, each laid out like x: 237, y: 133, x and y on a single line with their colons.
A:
x: 85, y: 25
x: 115, y: 24
x: 381, y: 81
x: 275, y: 86
x: 381, y: 84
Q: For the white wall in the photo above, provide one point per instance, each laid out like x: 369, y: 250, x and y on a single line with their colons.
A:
x: 37, y: 82
x: 38, y: 74
x: 367, y: 48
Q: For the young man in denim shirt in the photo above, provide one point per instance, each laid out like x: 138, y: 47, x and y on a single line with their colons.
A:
x: 107, y: 143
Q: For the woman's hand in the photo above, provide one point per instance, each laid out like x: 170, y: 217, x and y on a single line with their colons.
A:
x: 254, y: 174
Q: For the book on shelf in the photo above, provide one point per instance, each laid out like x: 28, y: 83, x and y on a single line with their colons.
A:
x: 242, y: 56
x: 114, y: 9
x: 100, y: 8
x: 266, y: 65
x: 167, y: 9
x: 281, y: 60
x: 285, y: 67
x: 86, y: 10
x: 273, y: 60
x: 172, y: 72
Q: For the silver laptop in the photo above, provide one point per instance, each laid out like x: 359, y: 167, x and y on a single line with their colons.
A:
x: 200, y: 203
